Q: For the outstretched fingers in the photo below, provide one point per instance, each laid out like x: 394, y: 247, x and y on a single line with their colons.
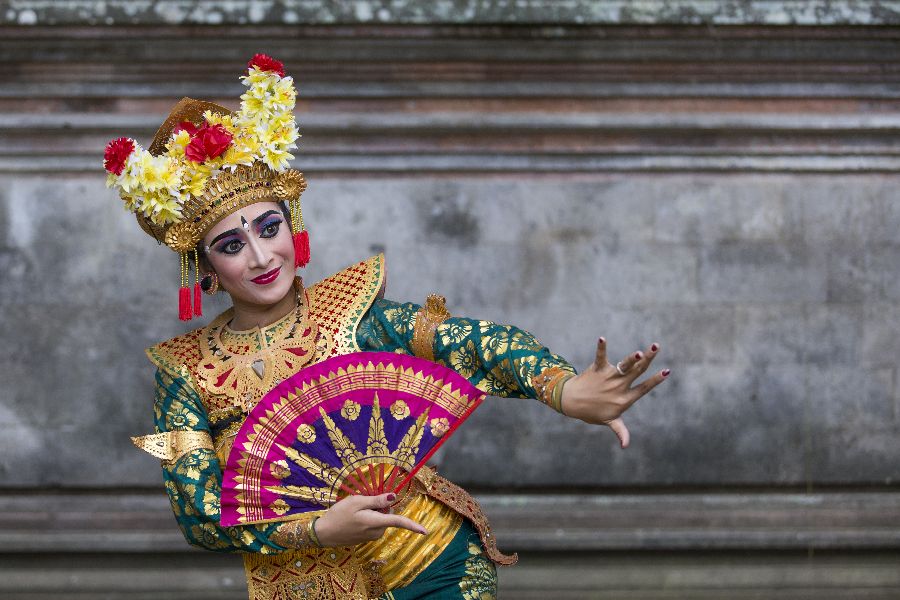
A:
x: 643, y: 388
x: 639, y: 362
x: 618, y: 427
x: 600, y: 361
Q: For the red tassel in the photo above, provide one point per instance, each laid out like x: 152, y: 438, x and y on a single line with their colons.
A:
x: 184, y: 303
x: 301, y: 249
x: 198, y: 300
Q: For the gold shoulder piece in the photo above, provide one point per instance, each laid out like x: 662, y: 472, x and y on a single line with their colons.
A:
x: 172, y: 354
x: 427, y: 320
x: 337, y: 303
x: 169, y: 446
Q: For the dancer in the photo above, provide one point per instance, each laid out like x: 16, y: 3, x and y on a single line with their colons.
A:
x: 215, y: 186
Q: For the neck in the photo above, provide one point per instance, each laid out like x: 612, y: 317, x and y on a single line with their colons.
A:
x: 248, y: 316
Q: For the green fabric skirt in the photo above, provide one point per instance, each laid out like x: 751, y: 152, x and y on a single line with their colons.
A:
x: 461, y: 571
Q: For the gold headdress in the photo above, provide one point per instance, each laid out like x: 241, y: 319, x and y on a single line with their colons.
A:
x: 205, y: 162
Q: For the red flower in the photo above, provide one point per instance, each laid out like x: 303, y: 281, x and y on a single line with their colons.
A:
x: 117, y: 152
x: 208, y: 142
x: 264, y: 62
x: 186, y: 126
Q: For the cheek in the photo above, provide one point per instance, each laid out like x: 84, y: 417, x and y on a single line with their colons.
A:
x: 230, y: 270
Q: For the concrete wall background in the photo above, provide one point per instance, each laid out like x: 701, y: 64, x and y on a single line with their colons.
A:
x: 774, y: 297
x: 719, y: 177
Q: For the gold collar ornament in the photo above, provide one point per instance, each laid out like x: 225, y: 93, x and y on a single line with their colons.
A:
x: 205, y: 162
x: 244, y: 365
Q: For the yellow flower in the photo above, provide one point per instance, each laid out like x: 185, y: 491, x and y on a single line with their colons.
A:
x: 175, y: 147
x: 237, y: 155
x: 196, y: 179
x: 258, y: 78
x: 218, y: 119
x: 161, y: 208
x: 277, y: 160
x: 284, y: 95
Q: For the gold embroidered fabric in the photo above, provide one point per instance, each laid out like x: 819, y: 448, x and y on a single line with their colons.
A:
x: 240, y: 367
x: 339, y: 302
x: 178, y: 352
x: 406, y: 554
x: 169, y: 446
x: 427, y: 320
x: 462, y: 502
x: 334, y: 308
x: 296, y: 533
x: 317, y: 574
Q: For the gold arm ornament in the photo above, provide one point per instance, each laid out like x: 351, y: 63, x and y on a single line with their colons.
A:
x: 427, y: 320
x: 169, y: 446
x: 549, y: 385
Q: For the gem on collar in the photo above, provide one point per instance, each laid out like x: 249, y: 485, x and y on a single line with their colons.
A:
x: 259, y: 368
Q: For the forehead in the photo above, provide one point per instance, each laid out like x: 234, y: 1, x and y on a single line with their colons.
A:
x: 233, y: 220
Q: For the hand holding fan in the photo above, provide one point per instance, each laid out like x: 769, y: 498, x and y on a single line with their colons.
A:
x: 361, y: 423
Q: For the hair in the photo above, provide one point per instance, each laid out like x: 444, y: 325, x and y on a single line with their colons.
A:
x: 201, y: 250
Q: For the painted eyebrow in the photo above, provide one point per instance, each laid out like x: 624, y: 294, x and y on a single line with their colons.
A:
x: 234, y: 231
x: 260, y: 218
x: 223, y: 235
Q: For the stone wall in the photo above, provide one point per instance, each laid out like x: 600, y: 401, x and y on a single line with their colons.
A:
x: 718, y: 177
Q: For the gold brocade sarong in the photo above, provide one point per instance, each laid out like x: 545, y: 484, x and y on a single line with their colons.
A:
x: 390, y: 562
x: 403, y: 554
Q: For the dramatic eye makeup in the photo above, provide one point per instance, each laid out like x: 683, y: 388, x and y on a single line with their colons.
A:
x: 267, y: 226
x: 271, y: 222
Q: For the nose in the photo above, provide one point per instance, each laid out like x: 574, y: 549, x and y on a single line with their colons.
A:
x: 258, y: 254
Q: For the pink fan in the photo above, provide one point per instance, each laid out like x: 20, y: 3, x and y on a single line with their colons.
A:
x: 362, y: 423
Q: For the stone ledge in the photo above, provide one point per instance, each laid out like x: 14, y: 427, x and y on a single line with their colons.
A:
x: 598, y: 576
x: 143, y: 522
x: 489, y: 164
x: 473, y: 12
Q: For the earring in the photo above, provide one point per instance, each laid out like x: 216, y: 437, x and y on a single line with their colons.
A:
x: 210, y: 283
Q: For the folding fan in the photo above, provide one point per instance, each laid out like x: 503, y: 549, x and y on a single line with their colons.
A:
x: 361, y: 423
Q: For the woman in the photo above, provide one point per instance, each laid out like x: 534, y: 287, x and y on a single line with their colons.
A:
x: 213, y: 187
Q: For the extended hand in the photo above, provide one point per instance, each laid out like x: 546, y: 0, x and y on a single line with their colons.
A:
x: 356, y: 519
x: 602, y: 393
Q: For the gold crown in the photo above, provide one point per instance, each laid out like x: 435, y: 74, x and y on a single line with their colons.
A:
x: 223, y: 194
x: 205, y: 162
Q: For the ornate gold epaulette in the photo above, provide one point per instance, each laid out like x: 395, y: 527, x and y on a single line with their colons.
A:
x: 337, y: 304
x: 171, y: 355
x: 169, y: 446
x: 427, y: 320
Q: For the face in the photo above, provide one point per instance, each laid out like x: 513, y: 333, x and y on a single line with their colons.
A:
x: 252, y: 252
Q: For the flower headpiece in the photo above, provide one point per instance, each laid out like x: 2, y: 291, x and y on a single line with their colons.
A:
x: 205, y: 162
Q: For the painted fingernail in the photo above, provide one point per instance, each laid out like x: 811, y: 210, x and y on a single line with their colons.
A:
x: 637, y: 356
x: 654, y: 347
x: 602, y: 340
x: 391, y: 497
x: 666, y: 372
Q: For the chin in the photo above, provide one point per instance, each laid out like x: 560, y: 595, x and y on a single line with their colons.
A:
x: 266, y: 295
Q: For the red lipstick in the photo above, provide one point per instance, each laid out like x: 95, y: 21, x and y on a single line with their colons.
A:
x: 267, y: 278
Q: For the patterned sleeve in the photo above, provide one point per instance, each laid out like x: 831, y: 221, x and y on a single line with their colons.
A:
x: 194, y: 480
x: 501, y: 360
